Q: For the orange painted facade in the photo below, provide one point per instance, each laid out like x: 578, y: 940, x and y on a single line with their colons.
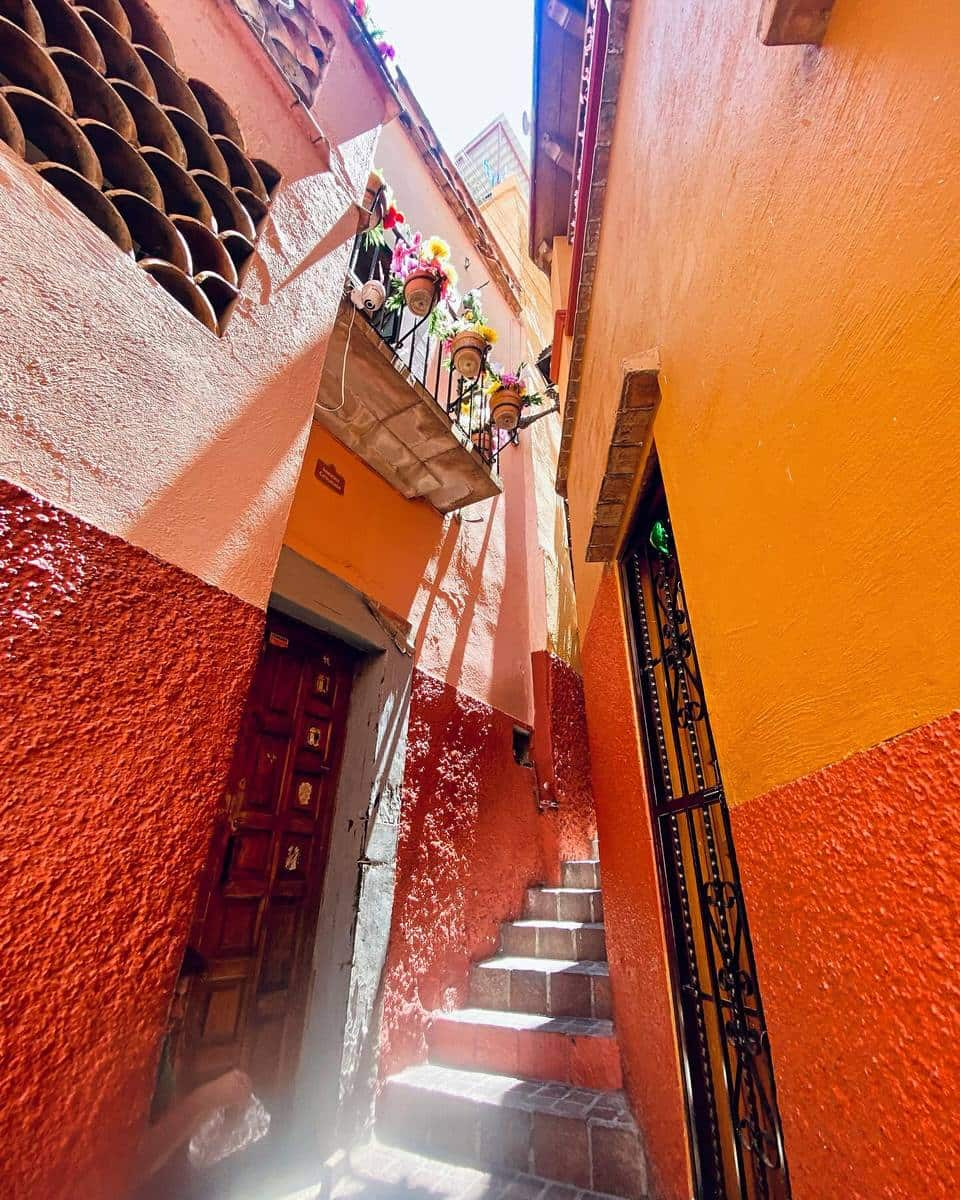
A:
x: 775, y: 225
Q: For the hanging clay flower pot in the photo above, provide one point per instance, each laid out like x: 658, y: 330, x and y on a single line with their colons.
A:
x: 505, y: 406
x: 466, y: 353
x: 420, y: 292
x: 483, y: 440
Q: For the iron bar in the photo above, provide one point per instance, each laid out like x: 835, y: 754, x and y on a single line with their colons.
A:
x: 736, y: 1137
x: 422, y: 354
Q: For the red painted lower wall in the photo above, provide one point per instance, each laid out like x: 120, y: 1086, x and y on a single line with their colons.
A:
x: 123, y: 684
x: 562, y: 755
x: 852, y: 880
x: 635, y: 939
x: 470, y: 844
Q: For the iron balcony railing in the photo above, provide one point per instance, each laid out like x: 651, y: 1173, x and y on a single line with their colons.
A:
x: 422, y: 354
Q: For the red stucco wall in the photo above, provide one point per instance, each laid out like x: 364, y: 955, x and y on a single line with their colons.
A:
x: 851, y: 880
x: 469, y: 846
x: 635, y: 939
x: 122, y: 685
x: 562, y: 755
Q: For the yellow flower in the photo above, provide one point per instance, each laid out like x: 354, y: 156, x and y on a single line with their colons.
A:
x: 489, y: 335
x: 451, y: 273
x: 435, y: 247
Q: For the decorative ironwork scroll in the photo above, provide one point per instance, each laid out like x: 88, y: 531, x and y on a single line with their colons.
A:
x: 736, y: 1135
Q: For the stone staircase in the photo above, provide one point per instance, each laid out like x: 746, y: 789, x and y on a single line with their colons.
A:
x: 527, y: 1079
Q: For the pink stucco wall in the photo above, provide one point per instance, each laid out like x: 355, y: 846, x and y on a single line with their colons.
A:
x: 125, y: 411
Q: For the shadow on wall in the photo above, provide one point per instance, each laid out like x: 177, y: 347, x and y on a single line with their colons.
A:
x: 471, y: 584
x: 232, y: 536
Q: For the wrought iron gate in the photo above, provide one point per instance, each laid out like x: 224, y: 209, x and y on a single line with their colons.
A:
x: 736, y: 1138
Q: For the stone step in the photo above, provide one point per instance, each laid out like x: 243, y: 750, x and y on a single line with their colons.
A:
x: 554, y: 987
x: 380, y: 1172
x: 577, y: 1136
x: 575, y: 1050
x: 583, y: 873
x: 564, y: 904
x: 554, y: 939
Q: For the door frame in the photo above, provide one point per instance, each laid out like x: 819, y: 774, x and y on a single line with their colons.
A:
x: 697, y: 1072
x: 337, y: 1077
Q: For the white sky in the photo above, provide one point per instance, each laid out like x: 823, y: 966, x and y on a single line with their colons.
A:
x: 467, y: 60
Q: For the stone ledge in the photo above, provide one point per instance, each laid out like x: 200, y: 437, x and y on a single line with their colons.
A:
x: 393, y: 423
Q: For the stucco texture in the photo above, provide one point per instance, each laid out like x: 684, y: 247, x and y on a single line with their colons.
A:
x: 462, y: 582
x: 123, y: 683
x: 787, y: 217
x: 853, y: 890
x: 635, y: 937
x: 562, y: 755
x: 120, y: 407
x: 469, y: 846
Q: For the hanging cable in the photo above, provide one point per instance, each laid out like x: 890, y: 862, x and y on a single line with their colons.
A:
x: 343, y: 371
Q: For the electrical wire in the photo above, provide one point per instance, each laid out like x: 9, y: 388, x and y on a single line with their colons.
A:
x: 343, y: 371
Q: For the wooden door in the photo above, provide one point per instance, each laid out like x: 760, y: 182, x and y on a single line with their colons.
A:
x: 263, y: 884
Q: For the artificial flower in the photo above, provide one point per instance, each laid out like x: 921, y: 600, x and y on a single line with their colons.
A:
x: 360, y: 7
x: 436, y: 247
x: 406, y: 256
x: 393, y: 217
x: 386, y: 50
x: 489, y: 335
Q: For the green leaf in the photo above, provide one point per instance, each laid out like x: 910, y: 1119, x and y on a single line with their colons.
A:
x: 660, y: 539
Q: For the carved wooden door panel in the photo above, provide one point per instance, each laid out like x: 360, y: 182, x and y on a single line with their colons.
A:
x: 265, y: 875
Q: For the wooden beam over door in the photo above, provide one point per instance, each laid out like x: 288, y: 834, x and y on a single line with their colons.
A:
x: 794, y: 22
x: 639, y: 401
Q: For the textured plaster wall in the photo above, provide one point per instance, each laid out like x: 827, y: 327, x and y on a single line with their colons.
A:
x: 635, y: 937
x: 469, y: 846
x: 462, y: 582
x: 123, y: 682
x: 851, y: 880
x: 789, y: 218
x: 120, y: 407
x: 562, y: 756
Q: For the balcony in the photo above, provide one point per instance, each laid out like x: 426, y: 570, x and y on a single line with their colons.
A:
x: 389, y: 395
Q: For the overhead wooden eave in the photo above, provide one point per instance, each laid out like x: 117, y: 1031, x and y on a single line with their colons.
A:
x: 557, y: 69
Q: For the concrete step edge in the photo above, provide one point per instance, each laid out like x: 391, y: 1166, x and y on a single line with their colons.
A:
x: 549, y: 966
x: 512, y: 1091
x: 595, y: 1027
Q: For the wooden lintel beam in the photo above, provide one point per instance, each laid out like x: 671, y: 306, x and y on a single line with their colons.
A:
x: 794, y: 22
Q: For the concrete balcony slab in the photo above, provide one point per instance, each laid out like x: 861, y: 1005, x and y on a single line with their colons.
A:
x: 387, y: 418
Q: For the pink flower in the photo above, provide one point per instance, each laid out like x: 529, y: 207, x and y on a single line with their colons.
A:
x: 361, y: 7
x: 406, y: 257
x: 386, y: 50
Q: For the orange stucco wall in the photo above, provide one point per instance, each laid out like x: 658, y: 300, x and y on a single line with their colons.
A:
x: 460, y: 581
x: 850, y: 876
x: 788, y: 218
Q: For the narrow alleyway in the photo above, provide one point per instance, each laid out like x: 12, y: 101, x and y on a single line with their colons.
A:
x: 439, y: 444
